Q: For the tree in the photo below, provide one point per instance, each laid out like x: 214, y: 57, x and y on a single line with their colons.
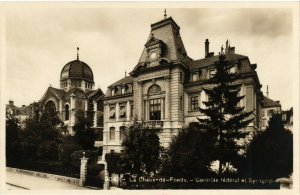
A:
x: 270, y: 154
x: 84, y: 134
x: 190, y: 154
x: 12, y: 134
x: 223, y: 116
x: 141, y: 150
x: 114, y: 164
x: 39, y: 139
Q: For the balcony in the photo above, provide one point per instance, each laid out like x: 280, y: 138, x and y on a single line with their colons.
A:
x: 153, y: 124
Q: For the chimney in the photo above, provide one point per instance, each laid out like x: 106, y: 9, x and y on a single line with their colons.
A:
x: 267, y: 90
x: 11, y: 103
x: 232, y: 49
x: 206, y: 48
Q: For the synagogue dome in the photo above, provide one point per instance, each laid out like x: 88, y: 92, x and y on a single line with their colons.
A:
x: 77, y: 70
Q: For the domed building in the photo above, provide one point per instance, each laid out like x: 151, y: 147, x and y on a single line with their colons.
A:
x: 76, y: 96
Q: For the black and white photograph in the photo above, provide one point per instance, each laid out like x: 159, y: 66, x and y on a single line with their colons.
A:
x: 150, y: 96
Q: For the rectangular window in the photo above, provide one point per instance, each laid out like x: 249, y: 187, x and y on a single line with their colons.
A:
x: 181, y: 103
x: 111, y: 133
x: 131, y: 109
x: 122, y: 132
x: 123, y: 90
x: 194, y: 103
x: 155, y: 109
x: 249, y: 98
x: 270, y: 112
x: 284, y: 117
x: 122, y: 111
x: 112, y: 112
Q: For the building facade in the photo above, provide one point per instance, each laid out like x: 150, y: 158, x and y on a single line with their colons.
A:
x: 269, y: 107
x: 76, y: 96
x: 165, y: 88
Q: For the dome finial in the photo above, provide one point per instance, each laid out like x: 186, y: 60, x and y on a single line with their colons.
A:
x: 77, y: 53
x: 165, y: 15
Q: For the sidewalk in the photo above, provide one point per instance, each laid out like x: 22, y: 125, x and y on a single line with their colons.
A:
x: 37, y: 183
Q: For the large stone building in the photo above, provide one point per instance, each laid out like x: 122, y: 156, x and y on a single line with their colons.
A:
x: 164, y: 89
x: 75, y: 96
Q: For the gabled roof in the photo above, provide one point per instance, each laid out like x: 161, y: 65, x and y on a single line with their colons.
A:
x: 127, y: 79
x: 201, y: 63
x: 56, y: 92
x: 267, y: 103
x: 90, y: 94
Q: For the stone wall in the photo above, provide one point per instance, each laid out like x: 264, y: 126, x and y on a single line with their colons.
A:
x: 70, y: 180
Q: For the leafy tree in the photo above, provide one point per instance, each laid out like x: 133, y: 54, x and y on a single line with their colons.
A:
x: 114, y: 163
x: 190, y: 154
x: 270, y: 154
x: 224, y: 118
x: 84, y: 134
x: 141, y: 150
x: 12, y: 135
x: 39, y: 139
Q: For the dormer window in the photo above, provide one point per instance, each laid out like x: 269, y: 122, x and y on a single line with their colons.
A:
x: 212, y: 73
x: 232, y: 69
x: 112, y: 92
x: 194, y: 77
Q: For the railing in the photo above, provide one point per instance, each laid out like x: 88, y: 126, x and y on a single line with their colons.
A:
x: 153, y: 124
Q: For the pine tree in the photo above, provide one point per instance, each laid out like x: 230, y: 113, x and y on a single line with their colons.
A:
x: 224, y: 118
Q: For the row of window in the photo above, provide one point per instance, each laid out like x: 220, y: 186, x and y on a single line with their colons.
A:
x: 122, y: 112
x: 112, y: 133
x: 121, y: 90
x: 268, y: 112
x: 197, y: 75
x: 76, y: 84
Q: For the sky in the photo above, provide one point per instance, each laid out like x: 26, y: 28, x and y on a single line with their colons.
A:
x: 41, y: 39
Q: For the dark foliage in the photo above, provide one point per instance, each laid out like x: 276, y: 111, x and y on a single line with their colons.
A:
x: 270, y: 154
x: 190, y: 154
x: 223, y: 117
x: 85, y: 135
x: 12, y: 134
x: 141, y: 150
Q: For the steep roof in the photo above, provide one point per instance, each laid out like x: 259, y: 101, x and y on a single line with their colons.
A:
x: 270, y: 103
x: 127, y: 79
x: 211, y: 60
x: 167, y: 31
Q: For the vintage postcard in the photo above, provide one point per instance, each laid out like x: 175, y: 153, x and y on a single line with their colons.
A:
x: 152, y: 97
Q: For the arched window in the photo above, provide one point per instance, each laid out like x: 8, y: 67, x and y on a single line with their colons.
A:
x: 67, y: 112
x: 154, y: 89
x: 50, y: 107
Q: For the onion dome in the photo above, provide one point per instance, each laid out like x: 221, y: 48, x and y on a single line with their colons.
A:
x: 77, y: 70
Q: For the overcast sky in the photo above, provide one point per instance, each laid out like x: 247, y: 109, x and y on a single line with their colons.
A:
x: 42, y: 39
